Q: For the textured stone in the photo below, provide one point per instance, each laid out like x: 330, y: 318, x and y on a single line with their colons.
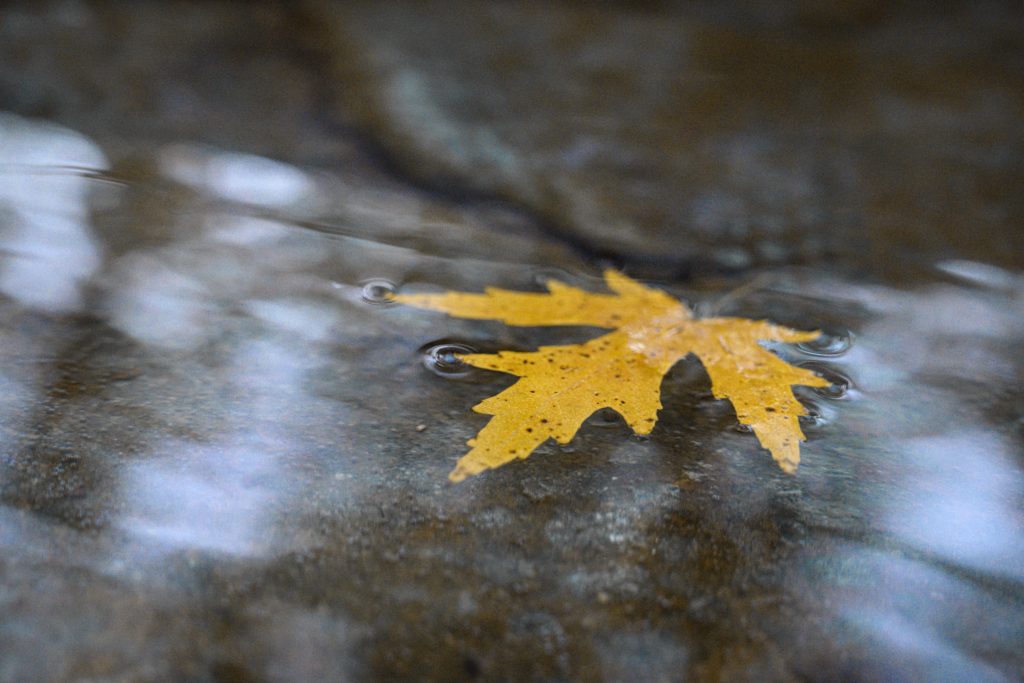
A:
x: 700, y: 137
x: 222, y: 463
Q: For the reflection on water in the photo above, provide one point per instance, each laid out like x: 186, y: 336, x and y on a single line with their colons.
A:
x: 910, y: 620
x: 47, y: 244
x: 236, y: 394
x: 961, y: 501
x: 308, y: 320
x: 215, y: 497
x: 243, y: 178
x: 225, y: 496
x: 981, y: 274
x: 156, y: 304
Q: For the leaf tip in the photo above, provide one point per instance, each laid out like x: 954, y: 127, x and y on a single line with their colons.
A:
x: 457, y: 475
x: 464, y: 469
x: 788, y: 466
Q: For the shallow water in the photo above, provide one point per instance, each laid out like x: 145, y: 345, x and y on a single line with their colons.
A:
x: 207, y: 414
x: 225, y: 452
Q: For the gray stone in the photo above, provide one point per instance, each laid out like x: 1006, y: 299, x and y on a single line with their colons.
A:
x: 224, y: 461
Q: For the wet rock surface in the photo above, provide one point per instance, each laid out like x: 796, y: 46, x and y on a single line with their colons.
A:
x: 695, y: 138
x: 224, y: 458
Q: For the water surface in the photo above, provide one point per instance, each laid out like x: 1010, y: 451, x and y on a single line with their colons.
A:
x: 225, y: 452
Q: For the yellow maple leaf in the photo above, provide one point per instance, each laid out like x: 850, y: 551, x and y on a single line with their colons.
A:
x: 561, y: 386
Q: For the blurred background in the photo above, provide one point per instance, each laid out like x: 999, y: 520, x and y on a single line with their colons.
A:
x: 224, y: 451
